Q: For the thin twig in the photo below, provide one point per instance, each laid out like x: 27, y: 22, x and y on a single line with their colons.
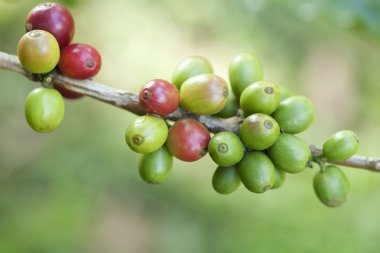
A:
x: 129, y: 101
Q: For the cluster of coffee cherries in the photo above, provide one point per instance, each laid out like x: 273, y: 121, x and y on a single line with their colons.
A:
x: 259, y: 155
x: 46, y: 45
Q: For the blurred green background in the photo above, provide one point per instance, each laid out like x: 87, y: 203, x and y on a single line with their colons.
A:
x: 78, y: 189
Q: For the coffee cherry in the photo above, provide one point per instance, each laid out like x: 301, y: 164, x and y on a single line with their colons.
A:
x: 191, y: 66
x: 53, y: 18
x: 79, y: 61
x: 257, y: 172
x: 204, y: 94
x: 295, y: 114
x: 146, y: 134
x: 155, y: 167
x: 280, y: 179
x: 331, y: 186
x: 259, y: 131
x: 188, y: 140
x: 67, y: 93
x: 225, y: 180
x: 226, y: 149
x: 38, y: 51
x: 260, y: 97
x: 44, y: 109
x: 290, y: 153
x: 230, y: 108
x: 341, y: 146
x: 244, y: 70
x: 159, y: 97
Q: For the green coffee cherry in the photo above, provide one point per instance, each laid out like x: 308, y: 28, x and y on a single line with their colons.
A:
x: 295, y: 114
x: 341, y: 146
x: 280, y: 179
x: 226, y: 149
x: 331, y: 186
x: 225, y: 180
x: 260, y: 97
x: 257, y: 172
x: 38, y: 51
x: 155, y: 167
x: 244, y: 70
x: 204, y: 94
x: 259, y: 131
x: 44, y: 109
x: 146, y: 134
x: 290, y: 153
x: 190, y: 67
x: 230, y: 108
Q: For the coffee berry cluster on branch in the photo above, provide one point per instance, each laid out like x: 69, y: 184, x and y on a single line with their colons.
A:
x: 260, y: 155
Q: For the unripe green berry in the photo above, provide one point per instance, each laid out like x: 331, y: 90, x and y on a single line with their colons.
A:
x: 191, y: 66
x: 244, y: 70
x: 295, y: 114
x: 259, y: 131
x: 146, y: 134
x: 260, y: 97
x: 280, y: 179
x: 225, y: 180
x: 341, y: 146
x: 44, y: 109
x: 290, y: 153
x: 331, y: 186
x: 226, y: 149
x: 257, y: 172
x: 155, y: 167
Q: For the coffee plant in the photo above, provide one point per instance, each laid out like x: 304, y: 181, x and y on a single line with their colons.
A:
x: 248, y: 125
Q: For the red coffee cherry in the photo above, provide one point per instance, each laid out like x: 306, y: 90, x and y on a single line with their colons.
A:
x: 79, y: 61
x: 159, y: 97
x: 67, y: 93
x: 188, y: 140
x: 53, y: 18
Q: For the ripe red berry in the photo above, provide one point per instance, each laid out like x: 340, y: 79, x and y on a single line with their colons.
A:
x: 188, y: 140
x: 67, y: 93
x: 79, y: 61
x: 53, y: 18
x: 159, y: 97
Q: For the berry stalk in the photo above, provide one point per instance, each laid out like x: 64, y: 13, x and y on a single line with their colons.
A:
x: 129, y: 101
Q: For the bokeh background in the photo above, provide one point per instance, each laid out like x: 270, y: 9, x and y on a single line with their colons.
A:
x: 77, y: 189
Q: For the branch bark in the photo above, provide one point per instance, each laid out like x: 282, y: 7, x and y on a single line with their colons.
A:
x: 129, y: 101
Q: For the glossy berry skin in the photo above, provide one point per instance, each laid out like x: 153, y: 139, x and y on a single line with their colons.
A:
x: 331, y: 186
x: 67, y: 93
x: 230, y: 108
x: 204, y: 94
x: 225, y: 180
x: 290, y: 153
x: 191, y: 66
x: 341, y: 146
x: 79, y: 61
x: 38, y: 52
x: 146, y: 134
x: 226, y: 149
x: 188, y: 140
x: 260, y: 97
x: 244, y: 70
x: 257, y: 172
x: 295, y: 114
x: 155, y: 167
x: 44, y: 109
x: 259, y: 131
x: 280, y: 179
x: 159, y: 97
x: 53, y: 18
